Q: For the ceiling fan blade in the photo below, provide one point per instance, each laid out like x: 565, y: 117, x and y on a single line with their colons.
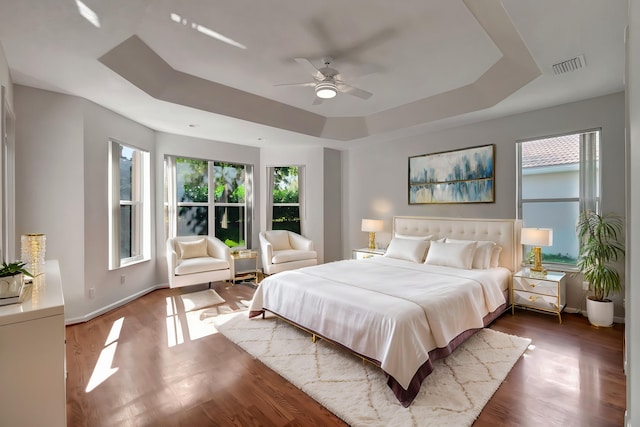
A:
x: 311, y: 69
x: 298, y: 84
x: 345, y: 88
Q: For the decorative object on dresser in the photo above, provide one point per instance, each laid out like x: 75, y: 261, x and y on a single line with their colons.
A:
x: 458, y: 176
x: 599, y: 250
x: 12, y: 281
x: 372, y: 226
x: 537, y: 237
x: 546, y: 293
x: 33, y: 247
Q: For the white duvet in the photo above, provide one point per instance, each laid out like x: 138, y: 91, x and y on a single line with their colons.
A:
x: 390, y: 310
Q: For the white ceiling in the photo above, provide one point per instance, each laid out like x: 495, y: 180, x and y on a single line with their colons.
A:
x: 428, y: 63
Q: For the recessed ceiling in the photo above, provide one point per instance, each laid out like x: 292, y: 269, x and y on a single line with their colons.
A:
x: 429, y: 64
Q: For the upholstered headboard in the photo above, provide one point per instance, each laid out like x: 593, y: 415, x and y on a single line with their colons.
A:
x: 504, y: 232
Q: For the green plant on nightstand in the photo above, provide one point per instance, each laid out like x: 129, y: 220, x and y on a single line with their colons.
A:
x: 13, y: 268
x: 12, y: 281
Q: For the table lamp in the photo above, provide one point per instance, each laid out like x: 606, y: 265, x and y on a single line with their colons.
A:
x: 372, y: 225
x: 537, y: 237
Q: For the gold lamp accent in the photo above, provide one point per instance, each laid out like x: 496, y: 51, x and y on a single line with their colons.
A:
x: 537, y: 237
x: 371, y: 226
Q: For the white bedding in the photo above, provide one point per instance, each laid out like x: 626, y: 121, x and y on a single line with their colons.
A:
x: 390, y: 310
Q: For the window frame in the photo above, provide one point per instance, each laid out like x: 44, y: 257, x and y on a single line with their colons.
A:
x: 593, y: 183
x: 140, y: 199
x: 301, y: 198
x: 172, y: 205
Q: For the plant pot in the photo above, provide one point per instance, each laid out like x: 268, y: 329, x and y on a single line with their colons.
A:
x: 600, y: 313
x: 11, y: 288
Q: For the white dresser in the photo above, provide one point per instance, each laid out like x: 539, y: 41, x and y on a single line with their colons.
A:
x: 32, y: 356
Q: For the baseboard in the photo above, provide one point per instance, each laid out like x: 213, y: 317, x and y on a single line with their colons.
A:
x: 114, y: 305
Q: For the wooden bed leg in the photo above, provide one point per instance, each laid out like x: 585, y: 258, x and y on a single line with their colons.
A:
x: 263, y: 314
x: 313, y: 338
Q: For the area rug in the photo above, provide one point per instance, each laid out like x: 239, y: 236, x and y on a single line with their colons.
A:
x: 453, y: 395
x: 201, y: 299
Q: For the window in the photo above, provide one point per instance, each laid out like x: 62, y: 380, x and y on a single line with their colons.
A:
x: 207, y: 197
x: 129, y: 201
x: 558, y: 177
x: 286, y: 203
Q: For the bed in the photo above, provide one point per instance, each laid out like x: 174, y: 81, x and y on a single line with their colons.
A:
x: 440, y: 281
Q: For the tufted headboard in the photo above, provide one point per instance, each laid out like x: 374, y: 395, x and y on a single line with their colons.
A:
x: 504, y: 232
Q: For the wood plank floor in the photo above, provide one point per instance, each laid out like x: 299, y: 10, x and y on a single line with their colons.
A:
x: 140, y: 365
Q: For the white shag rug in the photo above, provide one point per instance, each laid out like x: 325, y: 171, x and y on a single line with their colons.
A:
x: 453, y: 395
x: 201, y: 299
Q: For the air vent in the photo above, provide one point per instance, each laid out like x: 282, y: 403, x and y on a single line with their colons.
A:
x: 569, y: 65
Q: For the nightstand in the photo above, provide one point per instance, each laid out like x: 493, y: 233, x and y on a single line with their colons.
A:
x: 366, y: 253
x: 546, y: 293
x: 248, y: 273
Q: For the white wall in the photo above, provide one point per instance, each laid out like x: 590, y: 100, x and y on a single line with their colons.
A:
x: 5, y: 76
x: 633, y: 216
x: 376, y: 176
x: 313, y: 161
x: 109, y: 287
x: 50, y: 183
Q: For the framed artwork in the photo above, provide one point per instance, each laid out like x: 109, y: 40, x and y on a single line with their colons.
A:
x: 458, y: 176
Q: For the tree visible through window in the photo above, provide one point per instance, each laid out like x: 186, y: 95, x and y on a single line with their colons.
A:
x: 558, y: 177
x: 286, y: 199
x: 211, y: 199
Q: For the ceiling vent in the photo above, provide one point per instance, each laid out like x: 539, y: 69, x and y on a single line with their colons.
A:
x: 569, y: 65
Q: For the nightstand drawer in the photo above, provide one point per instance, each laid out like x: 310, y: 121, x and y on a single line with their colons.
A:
x: 534, y: 300
x: 537, y: 286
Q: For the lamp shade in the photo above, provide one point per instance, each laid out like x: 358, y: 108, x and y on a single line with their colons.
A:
x: 372, y: 225
x: 537, y: 236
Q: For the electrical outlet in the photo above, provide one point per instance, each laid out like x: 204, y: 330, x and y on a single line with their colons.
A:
x: 92, y: 293
x: 123, y: 278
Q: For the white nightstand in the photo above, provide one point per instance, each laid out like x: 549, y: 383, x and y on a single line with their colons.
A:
x: 366, y: 253
x: 546, y: 293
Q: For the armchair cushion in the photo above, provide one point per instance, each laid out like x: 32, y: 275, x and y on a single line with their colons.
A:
x: 279, y: 239
x: 193, y: 249
x: 201, y: 264
x: 292, y: 255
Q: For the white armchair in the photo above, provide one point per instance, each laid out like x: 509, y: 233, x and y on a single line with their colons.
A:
x: 192, y: 260
x: 285, y: 250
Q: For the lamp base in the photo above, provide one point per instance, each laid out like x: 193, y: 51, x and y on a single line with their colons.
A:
x: 372, y: 240
x: 537, y: 269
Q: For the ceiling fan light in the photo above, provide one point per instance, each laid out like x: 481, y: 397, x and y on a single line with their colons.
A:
x: 326, y: 90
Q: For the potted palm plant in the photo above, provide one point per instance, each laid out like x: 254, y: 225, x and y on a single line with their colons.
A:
x: 599, y: 249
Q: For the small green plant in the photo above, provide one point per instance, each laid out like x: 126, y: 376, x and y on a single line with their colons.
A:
x: 599, y: 248
x: 13, y: 268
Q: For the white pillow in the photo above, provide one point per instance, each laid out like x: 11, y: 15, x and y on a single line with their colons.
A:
x: 482, y: 255
x: 193, y: 249
x: 495, y: 256
x: 457, y: 255
x: 407, y: 249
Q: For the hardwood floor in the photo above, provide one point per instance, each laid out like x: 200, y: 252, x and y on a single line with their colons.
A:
x: 143, y: 365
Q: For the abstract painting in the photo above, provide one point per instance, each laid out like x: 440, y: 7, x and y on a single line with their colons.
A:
x: 459, y: 176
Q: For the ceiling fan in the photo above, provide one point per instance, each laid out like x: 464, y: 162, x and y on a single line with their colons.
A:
x: 327, y: 81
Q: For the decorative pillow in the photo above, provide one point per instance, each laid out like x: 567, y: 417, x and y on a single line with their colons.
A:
x: 407, y: 249
x: 482, y: 255
x: 495, y: 256
x: 457, y: 255
x: 193, y: 249
x: 279, y: 239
